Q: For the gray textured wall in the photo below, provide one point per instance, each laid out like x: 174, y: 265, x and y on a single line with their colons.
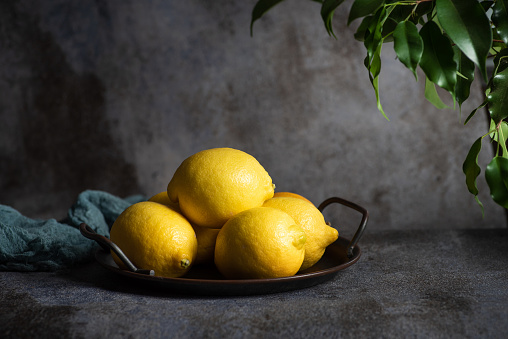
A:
x: 113, y: 95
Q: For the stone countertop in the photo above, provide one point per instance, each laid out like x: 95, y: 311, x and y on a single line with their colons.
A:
x: 418, y: 284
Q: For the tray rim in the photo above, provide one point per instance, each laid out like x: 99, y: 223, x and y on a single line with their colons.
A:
x: 303, y: 280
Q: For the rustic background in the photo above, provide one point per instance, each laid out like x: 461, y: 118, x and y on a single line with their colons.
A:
x: 113, y: 95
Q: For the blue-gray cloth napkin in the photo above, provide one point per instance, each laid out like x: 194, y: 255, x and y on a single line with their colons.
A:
x: 42, y: 245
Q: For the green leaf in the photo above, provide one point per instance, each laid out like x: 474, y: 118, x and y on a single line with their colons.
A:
x: 500, y: 19
x: 374, y: 68
x: 486, y: 5
x: 412, y: 12
x: 362, y: 30
x: 504, y: 129
x: 501, y: 60
x: 466, y: 68
x: 388, y: 28
x: 373, y: 43
x: 385, y: 29
x: 374, y: 35
x: 497, y: 99
x: 408, y: 45
x: 497, y: 44
x: 499, y: 135
x: 483, y: 104
x: 496, y: 175
x: 492, y: 127
x: 437, y: 58
x: 502, y: 137
x: 260, y: 8
x: 327, y: 10
x: 375, y: 65
x: 467, y: 25
x: 424, y: 8
x: 471, y: 169
x: 401, y: 12
x: 432, y: 96
x: 361, y: 8
x: 375, y: 83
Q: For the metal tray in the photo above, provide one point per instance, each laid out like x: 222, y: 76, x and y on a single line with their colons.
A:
x: 206, y: 279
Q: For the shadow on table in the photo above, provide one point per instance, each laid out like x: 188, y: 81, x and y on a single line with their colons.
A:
x: 93, y: 274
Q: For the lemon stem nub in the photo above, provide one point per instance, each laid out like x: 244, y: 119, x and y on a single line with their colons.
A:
x: 185, y: 263
x: 299, y: 242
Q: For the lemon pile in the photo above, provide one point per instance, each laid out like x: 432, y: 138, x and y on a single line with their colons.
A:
x: 220, y: 209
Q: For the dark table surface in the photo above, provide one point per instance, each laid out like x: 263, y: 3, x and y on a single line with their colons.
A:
x: 410, y: 284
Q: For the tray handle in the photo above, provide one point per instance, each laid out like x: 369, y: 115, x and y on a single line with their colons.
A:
x: 363, y: 222
x: 108, y: 245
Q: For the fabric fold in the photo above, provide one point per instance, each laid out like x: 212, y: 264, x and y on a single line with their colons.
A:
x: 45, y: 245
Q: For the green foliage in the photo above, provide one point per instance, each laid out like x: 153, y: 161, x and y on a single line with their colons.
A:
x: 465, y: 75
x: 497, y: 99
x: 327, y: 11
x: 496, y: 175
x: 472, y: 170
x: 500, y: 19
x: 437, y: 59
x: 447, y: 40
x: 466, y: 24
x: 432, y: 96
x: 408, y: 44
x: 363, y: 8
x: 261, y: 7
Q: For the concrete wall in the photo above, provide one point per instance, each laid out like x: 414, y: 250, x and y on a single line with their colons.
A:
x: 113, y: 95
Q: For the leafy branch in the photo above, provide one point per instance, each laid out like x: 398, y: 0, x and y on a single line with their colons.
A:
x: 448, y: 40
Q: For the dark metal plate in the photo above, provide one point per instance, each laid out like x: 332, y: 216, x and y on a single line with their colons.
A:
x: 206, y: 279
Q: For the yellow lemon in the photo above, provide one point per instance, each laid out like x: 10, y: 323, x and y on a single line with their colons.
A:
x: 261, y: 242
x: 204, y: 235
x: 213, y: 185
x: 154, y: 236
x: 311, y: 220
x: 206, y: 244
x: 162, y: 198
x: 290, y: 194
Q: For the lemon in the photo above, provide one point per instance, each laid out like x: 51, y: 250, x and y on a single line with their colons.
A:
x: 261, y: 242
x: 162, y: 198
x: 206, y: 244
x: 154, y: 236
x: 204, y: 235
x: 290, y: 194
x: 213, y: 185
x: 311, y: 220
